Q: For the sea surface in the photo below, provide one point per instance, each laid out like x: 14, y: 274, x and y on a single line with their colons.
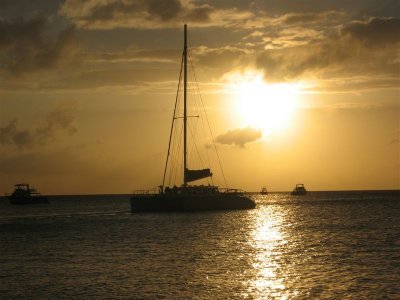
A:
x: 324, y: 245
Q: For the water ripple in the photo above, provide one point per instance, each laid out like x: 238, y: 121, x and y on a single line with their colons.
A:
x: 322, y: 246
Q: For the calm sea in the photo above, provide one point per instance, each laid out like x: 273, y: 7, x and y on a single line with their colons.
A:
x: 325, y: 245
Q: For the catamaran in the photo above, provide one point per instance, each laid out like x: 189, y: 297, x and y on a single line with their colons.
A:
x: 189, y: 197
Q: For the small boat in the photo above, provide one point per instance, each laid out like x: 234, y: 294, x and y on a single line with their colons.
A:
x: 299, y: 189
x: 264, y: 191
x: 188, y: 197
x: 23, y: 194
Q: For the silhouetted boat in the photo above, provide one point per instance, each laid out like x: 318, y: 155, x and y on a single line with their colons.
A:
x: 189, y: 197
x: 264, y: 191
x: 23, y: 194
x: 299, y: 189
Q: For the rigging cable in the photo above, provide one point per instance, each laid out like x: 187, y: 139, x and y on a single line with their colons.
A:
x: 193, y: 133
x: 208, y: 123
x: 197, y: 106
x: 176, y: 149
x: 173, y: 120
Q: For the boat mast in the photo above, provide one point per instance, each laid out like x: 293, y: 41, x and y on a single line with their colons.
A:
x: 184, y: 105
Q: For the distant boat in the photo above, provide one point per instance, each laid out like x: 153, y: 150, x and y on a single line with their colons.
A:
x: 264, y: 191
x: 23, y: 194
x: 299, y: 189
x: 188, y: 197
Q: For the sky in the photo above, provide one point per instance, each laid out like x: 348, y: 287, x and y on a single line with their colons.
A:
x: 295, y: 92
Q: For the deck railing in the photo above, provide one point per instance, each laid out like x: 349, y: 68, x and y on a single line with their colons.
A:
x: 232, y: 191
x: 221, y: 190
x: 145, y: 192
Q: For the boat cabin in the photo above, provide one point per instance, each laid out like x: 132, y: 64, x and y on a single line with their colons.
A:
x: 299, y: 189
x: 22, y: 189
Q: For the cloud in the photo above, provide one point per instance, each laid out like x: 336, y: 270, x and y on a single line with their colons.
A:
x: 239, y: 137
x: 10, y: 135
x: 61, y: 118
x: 119, y: 69
x: 294, y: 46
x: 303, y: 18
x: 119, y: 77
x: 203, y: 56
x: 292, y: 37
x: 376, y: 32
x: 100, y: 14
x: 343, y: 55
x: 220, y: 60
x: 26, y: 46
x: 146, y: 55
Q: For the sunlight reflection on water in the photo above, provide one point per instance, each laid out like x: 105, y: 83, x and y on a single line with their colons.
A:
x: 267, y: 239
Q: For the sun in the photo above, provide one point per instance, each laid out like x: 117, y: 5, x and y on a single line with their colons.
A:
x: 268, y: 107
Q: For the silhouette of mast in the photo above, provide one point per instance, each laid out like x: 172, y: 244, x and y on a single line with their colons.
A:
x: 184, y: 106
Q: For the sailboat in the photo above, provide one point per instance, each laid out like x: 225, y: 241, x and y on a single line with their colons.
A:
x: 189, y: 197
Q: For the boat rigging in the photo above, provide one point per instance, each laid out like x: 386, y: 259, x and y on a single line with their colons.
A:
x: 188, y: 197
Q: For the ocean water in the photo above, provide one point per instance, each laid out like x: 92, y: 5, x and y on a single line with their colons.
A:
x: 325, y: 245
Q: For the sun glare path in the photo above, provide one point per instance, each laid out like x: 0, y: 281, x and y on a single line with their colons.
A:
x: 261, y: 105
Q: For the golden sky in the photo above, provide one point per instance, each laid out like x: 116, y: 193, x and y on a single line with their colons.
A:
x: 295, y: 91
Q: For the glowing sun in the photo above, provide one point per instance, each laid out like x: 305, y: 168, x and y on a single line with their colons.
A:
x: 268, y: 107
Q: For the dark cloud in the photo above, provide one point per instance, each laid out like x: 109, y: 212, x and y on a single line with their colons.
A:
x: 358, y: 8
x: 163, y: 10
x: 61, y: 118
x: 224, y: 58
x: 146, y: 13
x: 292, y: 63
x: 345, y: 54
x: 376, y: 32
x: 17, y: 8
x: 239, y: 137
x: 303, y: 18
x: 200, y: 14
x: 11, y: 135
x: 25, y: 45
x: 150, y: 55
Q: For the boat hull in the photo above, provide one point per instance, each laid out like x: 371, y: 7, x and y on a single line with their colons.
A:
x: 166, y: 203
x: 298, y: 193
x: 28, y: 200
